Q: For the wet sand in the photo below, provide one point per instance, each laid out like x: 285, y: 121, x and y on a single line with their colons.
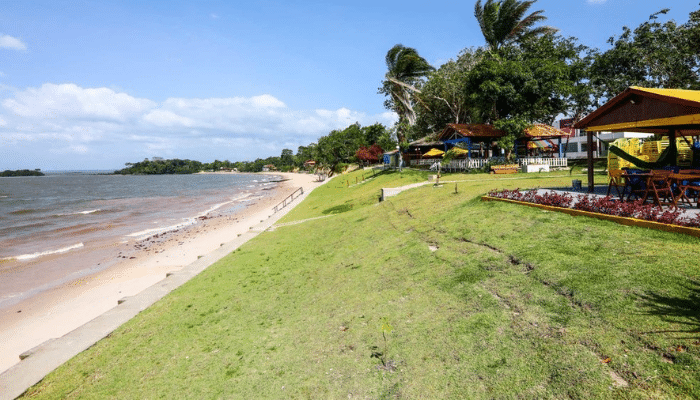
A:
x: 140, y: 264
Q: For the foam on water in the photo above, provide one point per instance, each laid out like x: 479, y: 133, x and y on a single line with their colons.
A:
x: 80, y: 212
x: 25, y: 257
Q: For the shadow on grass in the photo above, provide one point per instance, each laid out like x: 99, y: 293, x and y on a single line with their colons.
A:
x: 678, y: 310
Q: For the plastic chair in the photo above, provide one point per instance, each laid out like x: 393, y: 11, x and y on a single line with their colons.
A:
x: 636, y: 184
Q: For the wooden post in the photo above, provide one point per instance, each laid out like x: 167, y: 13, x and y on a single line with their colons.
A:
x: 589, y: 142
x: 673, y: 146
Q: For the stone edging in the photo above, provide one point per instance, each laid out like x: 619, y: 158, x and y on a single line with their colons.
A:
x: 614, y: 218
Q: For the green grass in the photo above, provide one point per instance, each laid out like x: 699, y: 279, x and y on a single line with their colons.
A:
x: 485, y: 300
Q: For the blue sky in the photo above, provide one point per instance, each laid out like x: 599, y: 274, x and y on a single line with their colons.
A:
x: 96, y: 84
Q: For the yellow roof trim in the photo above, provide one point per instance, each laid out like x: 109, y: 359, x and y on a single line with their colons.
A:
x: 690, y: 95
x: 693, y: 119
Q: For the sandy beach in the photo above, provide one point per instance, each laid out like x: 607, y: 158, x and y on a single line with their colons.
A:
x: 142, y: 264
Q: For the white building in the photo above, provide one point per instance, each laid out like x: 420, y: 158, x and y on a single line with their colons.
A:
x: 577, y: 146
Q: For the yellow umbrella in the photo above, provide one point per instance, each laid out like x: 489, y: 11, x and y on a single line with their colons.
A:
x: 458, y: 150
x: 433, y: 153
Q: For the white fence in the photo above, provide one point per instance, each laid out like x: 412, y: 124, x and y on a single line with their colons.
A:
x: 464, y: 164
x: 552, y: 162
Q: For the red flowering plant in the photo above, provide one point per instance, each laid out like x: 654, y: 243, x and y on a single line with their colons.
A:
x: 548, y: 198
x: 370, y: 154
x: 602, y: 205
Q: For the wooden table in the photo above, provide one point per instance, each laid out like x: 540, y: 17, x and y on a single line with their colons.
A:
x: 685, y: 182
x: 629, y: 178
x: 658, y: 186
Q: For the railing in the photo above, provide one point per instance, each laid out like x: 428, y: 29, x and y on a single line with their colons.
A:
x: 424, y: 161
x: 464, y: 164
x: 288, y: 199
x: 552, y: 162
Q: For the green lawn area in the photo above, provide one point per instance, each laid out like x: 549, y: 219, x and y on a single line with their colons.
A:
x: 430, y: 294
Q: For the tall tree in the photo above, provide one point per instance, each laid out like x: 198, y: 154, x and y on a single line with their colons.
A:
x: 287, y: 158
x: 538, y: 79
x: 655, y: 54
x: 443, y: 99
x: 503, y: 22
x: 406, y: 69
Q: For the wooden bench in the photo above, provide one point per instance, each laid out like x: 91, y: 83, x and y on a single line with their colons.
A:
x: 505, y: 169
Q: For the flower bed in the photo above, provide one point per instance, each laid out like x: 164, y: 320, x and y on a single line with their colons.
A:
x: 601, y: 205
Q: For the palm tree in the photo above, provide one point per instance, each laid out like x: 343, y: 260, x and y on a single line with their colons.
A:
x: 406, y: 69
x: 502, y: 22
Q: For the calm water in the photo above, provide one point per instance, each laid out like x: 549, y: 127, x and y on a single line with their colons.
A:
x: 69, y: 213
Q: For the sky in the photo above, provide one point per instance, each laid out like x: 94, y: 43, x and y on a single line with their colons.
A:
x: 92, y: 85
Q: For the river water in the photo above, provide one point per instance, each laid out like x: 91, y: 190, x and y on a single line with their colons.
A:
x: 49, y: 224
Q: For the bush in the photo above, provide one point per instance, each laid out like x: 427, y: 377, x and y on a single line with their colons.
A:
x: 339, y: 168
x: 602, y: 205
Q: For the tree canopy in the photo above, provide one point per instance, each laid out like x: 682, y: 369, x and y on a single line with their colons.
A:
x: 655, y: 54
x: 504, y: 22
x: 406, y: 70
x: 21, y: 172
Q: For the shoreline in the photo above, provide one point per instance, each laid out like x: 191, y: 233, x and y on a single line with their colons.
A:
x: 58, y: 311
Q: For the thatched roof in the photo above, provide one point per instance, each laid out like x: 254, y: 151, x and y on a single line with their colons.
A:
x: 457, y: 131
x: 544, y: 131
x: 426, y: 141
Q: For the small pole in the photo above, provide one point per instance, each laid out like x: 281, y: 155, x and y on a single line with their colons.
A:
x: 455, y: 187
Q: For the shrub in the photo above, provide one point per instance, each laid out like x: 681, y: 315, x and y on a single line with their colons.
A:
x: 602, y: 205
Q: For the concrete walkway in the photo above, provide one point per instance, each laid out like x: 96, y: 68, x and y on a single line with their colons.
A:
x: 41, y: 360
x: 390, y: 192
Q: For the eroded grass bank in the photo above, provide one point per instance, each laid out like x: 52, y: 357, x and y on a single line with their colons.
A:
x: 430, y: 294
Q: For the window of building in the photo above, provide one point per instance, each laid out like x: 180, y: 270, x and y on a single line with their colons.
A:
x: 572, y: 147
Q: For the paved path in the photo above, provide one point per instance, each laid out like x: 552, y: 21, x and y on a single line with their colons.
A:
x: 390, y: 192
x: 41, y: 360
x: 273, y: 227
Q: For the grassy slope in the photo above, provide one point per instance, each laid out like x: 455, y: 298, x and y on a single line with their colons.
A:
x: 514, y: 303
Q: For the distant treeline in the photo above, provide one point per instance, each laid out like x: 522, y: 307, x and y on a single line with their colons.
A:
x: 159, y: 166
x: 21, y: 172
x: 354, y: 144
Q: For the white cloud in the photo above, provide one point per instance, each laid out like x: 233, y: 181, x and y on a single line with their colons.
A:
x: 167, y: 119
x: 9, y: 42
x: 85, y: 122
x: 266, y: 101
x: 73, y: 102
